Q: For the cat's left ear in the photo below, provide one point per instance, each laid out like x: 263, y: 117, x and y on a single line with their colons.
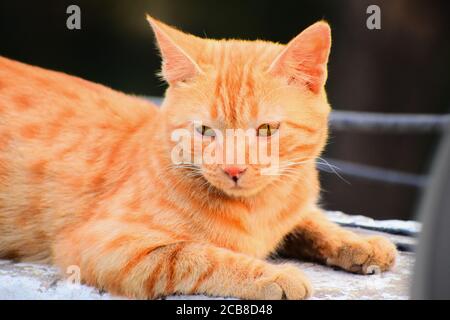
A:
x: 304, y: 60
x: 174, y: 45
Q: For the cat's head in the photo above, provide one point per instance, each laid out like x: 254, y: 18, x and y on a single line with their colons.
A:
x: 273, y: 92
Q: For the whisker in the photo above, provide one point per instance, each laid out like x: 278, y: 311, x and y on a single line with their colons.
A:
x: 291, y: 163
x: 333, y: 169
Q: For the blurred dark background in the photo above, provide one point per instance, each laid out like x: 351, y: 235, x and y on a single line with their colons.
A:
x: 402, y: 68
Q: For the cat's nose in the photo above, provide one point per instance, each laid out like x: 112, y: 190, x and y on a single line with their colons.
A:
x: 234, y: 172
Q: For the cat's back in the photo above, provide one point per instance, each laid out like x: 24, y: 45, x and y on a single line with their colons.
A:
x: 60, y: 138
x: 29, y: 92
x: 60, y: 120
x: 44, y: 112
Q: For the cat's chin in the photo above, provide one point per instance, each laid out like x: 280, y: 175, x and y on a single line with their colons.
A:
x: 241, y: 192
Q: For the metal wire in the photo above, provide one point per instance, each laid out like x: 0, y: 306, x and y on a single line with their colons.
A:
x: 346, y: 168
x: 386, y: 122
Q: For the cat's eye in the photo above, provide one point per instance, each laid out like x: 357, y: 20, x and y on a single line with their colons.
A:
x: 205, y: 131
x: 267, y: 129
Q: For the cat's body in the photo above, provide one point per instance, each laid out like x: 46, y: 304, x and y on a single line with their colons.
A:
x: 60, y: 145
x: 86, y: 179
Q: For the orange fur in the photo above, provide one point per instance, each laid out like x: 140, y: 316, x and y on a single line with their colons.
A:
x: 86, y: 177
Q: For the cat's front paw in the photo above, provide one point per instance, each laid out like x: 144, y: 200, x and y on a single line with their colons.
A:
x: 284, y: 282
x: 365, y: 255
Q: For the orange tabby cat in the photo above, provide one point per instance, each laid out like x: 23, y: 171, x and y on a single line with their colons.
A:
x: 87, y: 179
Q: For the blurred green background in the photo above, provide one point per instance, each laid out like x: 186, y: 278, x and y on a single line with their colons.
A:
x: 402, y: 68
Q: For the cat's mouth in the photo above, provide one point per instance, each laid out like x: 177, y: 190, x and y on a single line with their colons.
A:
x: 234, y: 190
x: 217, y: 181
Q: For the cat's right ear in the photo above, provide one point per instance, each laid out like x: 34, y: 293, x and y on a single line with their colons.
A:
x: 303, y: 62
x: 177, y: 65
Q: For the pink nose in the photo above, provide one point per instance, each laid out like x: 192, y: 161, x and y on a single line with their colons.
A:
x: 234, y: 172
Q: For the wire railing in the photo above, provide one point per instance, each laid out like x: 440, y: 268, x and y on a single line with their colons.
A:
x: 382, y: 123
x: 347, y: 168
x: 388, y: 123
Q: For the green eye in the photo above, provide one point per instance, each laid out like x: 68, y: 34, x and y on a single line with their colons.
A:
x: 205, y: 131
x: 267, y: 129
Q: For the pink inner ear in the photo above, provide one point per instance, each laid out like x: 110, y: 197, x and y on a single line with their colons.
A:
x: 177, y: 65
x: 304, y: 59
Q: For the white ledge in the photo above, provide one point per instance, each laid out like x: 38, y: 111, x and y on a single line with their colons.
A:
x: 33, y: 281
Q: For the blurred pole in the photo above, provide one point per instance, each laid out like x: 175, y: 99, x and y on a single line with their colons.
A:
x: 432, y: 269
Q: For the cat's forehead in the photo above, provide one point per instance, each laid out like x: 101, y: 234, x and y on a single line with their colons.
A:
x: 238, y: 69
x: 226, y: 53
x: 235, y: 97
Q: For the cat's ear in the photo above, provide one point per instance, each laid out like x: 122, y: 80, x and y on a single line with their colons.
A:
x: 304, y: 60
x: 177, y: 64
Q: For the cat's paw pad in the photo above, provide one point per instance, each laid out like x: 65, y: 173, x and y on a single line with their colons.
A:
x: 366, y: 256
x: 286, y: 282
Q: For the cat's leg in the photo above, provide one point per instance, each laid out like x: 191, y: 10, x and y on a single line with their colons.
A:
x: 319, y: 239
x: 144, y: 263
